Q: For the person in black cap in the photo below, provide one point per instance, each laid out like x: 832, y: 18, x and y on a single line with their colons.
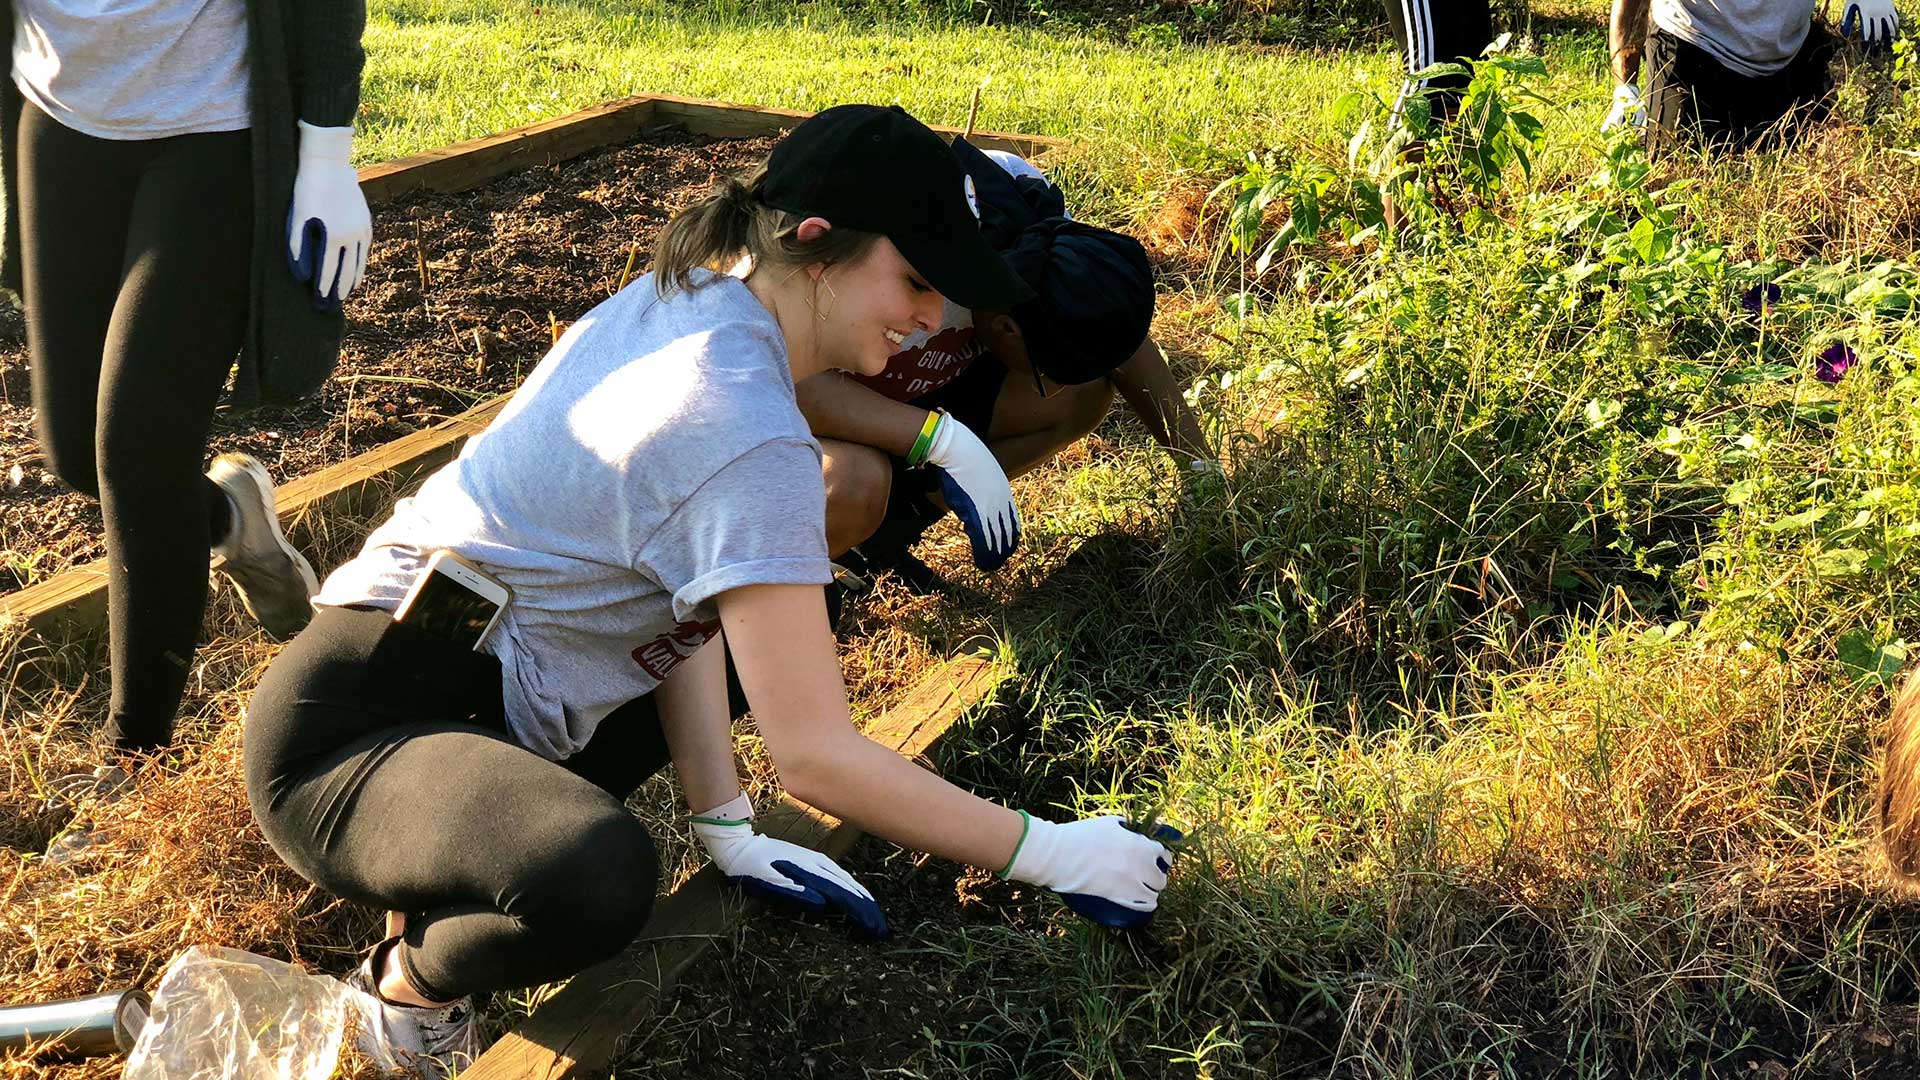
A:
x: 1011, y: 384
x: 652, y: 486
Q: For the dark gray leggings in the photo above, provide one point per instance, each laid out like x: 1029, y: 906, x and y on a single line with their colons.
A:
x: 135, y: 257
x: 380, y: 768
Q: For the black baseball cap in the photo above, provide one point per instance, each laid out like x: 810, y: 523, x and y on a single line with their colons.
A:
x: 879, y: 170
x: 1093, y: 299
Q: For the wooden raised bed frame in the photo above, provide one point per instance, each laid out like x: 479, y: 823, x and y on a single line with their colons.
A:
x: 579, y: 1031
x: 75, y: 602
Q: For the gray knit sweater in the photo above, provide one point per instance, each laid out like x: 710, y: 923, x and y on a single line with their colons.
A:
x: 305, y: 60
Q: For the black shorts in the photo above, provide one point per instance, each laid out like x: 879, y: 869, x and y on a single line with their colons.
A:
x: 1690, y: 93
x: 1436, y: 32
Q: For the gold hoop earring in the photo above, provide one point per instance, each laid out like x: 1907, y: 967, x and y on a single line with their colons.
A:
x: 819, y: 312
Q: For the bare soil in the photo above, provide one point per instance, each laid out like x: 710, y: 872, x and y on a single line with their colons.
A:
x: 505, y: 264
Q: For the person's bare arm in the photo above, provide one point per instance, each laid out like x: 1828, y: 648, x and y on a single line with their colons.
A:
x: 1147, y: 385
x: 785, y: 656
x: 699, y: 727
x: 1627, y: 33
x: 837, y: 407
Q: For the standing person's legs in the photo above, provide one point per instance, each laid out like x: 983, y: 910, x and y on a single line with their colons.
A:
x: 176, y: 328
x: 378, y: 769
x: 135, y: 270
x: 76, y: 196
x: 1432, y: 32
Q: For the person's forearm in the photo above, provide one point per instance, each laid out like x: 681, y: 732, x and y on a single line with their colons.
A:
x: 692, y: 701
x: 1148, y: 387
x: 785, y: 656
x: 837, y: 407
x: 1627, y: 33
x: 860, y: 781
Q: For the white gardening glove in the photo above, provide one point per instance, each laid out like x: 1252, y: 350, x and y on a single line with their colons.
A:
x: 1102, y: 868
x: 789, y: 873
x: 977, y: 491
x: 1628, y: 108
x: 1874, y: 22
x: 329, y: 231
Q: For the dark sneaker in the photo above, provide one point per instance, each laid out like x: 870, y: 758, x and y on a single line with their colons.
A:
x: 918, y: 577
x: 275, y: 582
x: 436, y: 1042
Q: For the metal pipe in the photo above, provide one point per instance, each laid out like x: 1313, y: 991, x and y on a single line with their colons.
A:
x: 77, y: 1027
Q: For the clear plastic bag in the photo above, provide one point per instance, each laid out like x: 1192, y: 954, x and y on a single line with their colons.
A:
x: 224, y: 1014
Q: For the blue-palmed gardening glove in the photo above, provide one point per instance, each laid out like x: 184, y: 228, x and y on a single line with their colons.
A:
x: 1628, y: 108
x: 789, y: 873
x: 329, y: 231
x: 1103, y: 869
x: 1873, y: 22
x: 975, y: 487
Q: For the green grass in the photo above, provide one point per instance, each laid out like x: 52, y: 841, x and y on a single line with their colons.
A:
x: 444, y: 70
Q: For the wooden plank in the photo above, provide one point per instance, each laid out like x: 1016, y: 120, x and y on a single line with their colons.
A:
x: 76, y: 601
x: 578, y: 1031
x: 474, y: 162
x: 723, y: 118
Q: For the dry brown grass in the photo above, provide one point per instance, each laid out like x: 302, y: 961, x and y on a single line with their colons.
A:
x: 1846, y: 189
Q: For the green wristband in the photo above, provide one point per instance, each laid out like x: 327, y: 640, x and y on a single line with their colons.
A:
x: 720, y: 821
x: 1026, y: 823
x: 917, y: 456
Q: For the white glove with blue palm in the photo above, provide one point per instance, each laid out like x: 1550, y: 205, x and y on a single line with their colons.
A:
x: 1105, y: 869
x: 1873, y: 22
x: 329, y: 229
x: 976, y: 489
x: 775, y: 869
x: 1628, y: 108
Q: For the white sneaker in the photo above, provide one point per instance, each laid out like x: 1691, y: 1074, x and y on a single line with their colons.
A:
x: 275, y: 581
x: 435, y: 1042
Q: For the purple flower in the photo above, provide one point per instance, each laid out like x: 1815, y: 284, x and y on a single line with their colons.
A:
x: 1834, y: 363
x: 1760, y: 298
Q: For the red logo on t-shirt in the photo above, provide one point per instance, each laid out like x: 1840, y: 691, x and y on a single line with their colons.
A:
x: 661, y: 655
x: 922, y: 370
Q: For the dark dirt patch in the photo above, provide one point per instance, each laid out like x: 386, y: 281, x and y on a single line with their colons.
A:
x: 507, y: 261
x: 793, y: 996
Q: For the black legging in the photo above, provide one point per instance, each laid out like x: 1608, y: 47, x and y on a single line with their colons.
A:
x: 380, y: 768
x: 135, y: 260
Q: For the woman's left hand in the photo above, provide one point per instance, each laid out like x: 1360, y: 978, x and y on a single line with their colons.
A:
x: 329, y: 229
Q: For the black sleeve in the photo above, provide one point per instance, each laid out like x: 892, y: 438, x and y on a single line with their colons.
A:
x: 327, y: 57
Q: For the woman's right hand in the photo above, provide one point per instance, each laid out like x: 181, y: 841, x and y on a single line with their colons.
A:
x: 1102, y: 868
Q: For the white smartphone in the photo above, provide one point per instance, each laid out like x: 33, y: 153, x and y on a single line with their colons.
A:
x: 455, y: 600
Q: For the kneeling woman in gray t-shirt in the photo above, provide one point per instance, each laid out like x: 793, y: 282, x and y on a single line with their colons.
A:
x: 651, y: 484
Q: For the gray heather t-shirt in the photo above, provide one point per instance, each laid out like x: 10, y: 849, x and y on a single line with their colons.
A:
x: 653, y: 460
x: 134, y: 69
x: 1749, y: 37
